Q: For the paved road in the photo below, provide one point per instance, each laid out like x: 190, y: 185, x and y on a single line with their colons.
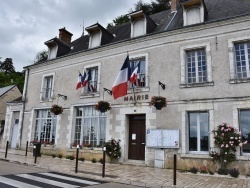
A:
x: 21, y: 176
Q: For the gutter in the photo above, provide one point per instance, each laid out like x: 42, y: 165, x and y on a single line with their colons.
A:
x: 23, y: 101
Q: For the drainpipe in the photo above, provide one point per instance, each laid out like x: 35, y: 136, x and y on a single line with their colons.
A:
x: 23, y: 101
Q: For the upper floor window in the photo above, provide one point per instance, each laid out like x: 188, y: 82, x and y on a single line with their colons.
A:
x: 198, y: 129
x: 139, y: 28
x: 95, y: 39
x: 196, y: 66
x: 47, y: 87
x: 242, y: 60
x: 52, y: 52
x: 92, y: 80
x: 139, y: 65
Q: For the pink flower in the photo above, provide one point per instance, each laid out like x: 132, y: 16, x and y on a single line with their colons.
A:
x: 225, y: 161
x: 240, y: 144
x: 245, y: 142
x: 227, y: 146
x: 222, y: 145
x: 231, y: 138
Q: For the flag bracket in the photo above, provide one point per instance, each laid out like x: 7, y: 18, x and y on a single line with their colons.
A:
x: 63, y: 96
x: 108, y: 91
x: 162, y: 86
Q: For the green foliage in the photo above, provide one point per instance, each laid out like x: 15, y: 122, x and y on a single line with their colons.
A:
x: 82, y: 159
x: 194, y: 170
x: 41, y: 56
x: 15, y: 78
x: 234, y: 172
x: 70, y: 157
x: 223, y: 171
x: 93, y: 160
x: 7, y: 66
x: 226, y: 139
x: 60, y: 155
x: 53, y: 155
x: 113, y: 148
x: 203, y: 170
x: 148, y: 8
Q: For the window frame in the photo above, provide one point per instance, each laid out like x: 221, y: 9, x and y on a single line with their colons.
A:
x: 232, y: 59
x: 240, y: 128
x: 44, y: 78
x: 97, y: 115
x: 53, y: 52
x: 84, y: 92
x: 95, y: 34
x: 198, y: 132
x: 183, y: 63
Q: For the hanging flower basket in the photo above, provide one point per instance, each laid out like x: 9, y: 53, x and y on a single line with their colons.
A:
x: 56, y: 109
x: 102, y: 106
x: 158, y: 102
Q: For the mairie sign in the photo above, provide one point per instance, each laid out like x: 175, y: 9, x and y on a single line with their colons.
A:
x: 138, y: 97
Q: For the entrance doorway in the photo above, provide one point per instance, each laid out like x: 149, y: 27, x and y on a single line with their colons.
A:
x: 14, y: 134
x: 137, y: 131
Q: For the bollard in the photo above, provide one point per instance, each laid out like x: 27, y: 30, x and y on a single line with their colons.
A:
x: 77, y: 152
x: 35, y: 153
x: 174, y: 169
x: 6, y: 150
x: 26, y: 148
x: 103, y: 162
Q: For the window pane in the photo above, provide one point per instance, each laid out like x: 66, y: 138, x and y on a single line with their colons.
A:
x: 242, y: 60
x: 192, y: 132
x: 245, y: 129
x: 141, y: 73
x: 204, y: 131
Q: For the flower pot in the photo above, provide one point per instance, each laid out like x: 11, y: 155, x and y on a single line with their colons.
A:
x: 102, y: 109
x: 56, y: 112
x: 158, y: 106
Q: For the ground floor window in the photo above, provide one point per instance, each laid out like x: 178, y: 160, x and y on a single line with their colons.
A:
x: 198, y: 129
x: 244, y: 119
x: 45, y: 128
x: 90, y: 127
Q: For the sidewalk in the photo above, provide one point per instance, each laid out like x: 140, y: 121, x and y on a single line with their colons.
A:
x: 127, y: 174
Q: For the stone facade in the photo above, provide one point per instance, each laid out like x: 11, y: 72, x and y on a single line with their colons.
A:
x: 221, y: 96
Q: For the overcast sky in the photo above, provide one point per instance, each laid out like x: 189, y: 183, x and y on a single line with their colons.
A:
x: 26, y: 24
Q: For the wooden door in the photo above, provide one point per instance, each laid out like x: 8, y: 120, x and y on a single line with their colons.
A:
x: 137, y: 131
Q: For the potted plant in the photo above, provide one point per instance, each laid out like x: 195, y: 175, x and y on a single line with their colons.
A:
x: 56, y: 109
x: 158, y: 102
x: 113, y: 149
x: 102, y: 106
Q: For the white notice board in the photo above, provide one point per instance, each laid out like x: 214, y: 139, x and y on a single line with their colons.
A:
x: 162, y: 138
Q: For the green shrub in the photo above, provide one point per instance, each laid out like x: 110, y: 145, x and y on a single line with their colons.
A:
x: 93, y: 160
x: 234, y: 172
x: 210, y: 172
x: 223, y: 171
x: 60, y: 155
x: 70, y: 157
x: 194, y: 170
x: 81, y: 159
x: 101, y: 160
x: 53, y: 155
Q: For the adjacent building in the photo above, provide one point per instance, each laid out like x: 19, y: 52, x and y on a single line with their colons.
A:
x: 199, y: 50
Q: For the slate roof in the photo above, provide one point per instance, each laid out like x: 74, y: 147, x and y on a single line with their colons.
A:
x: 4, y: 90
x: 166, y: 21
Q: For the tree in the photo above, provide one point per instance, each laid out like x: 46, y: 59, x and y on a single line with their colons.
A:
x: 148, y: 8
x: 7, y: 66
x: 41, y: 56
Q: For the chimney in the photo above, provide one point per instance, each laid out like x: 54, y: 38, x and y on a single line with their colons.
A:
x: 65, y: 36
x: 174, y: 5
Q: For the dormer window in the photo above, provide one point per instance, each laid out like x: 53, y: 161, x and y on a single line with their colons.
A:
x: 139, y: 27
x: 52, y: 52
x: 194, y: 12
x: 95, y: 39
x: 193, y: 16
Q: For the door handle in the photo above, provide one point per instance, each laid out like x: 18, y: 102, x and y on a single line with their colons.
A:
x: 143, y: 143
x: 133, y: 143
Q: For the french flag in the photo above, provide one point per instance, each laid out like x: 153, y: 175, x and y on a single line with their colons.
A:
x: 79, y: 83
x: 86, y: 78
x: 120, y: 86
x: 134, y: 74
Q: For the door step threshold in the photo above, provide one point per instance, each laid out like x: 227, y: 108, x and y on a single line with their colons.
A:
x: 135, y: 162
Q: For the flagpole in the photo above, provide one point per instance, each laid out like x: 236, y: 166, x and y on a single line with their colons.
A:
x: 134, y: 94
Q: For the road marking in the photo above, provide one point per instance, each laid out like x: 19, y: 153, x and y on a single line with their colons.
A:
x: 70, y: 179
x: 15, y: 183
x: 48, y: 181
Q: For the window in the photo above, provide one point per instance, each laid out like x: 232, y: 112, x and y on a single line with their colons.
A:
x: 242, y: 60
x: 193, y: 15
x: 141, y: 75
x: 45, y: 128
x: 95, y: 40
x: 244, y: 120
x: 196, y: 66
x: 92, y: 83
x: 198, y: 129
x: 47, y: 87
x: 52, y: 52
x: 139, y: 27
x: 90, y: 126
